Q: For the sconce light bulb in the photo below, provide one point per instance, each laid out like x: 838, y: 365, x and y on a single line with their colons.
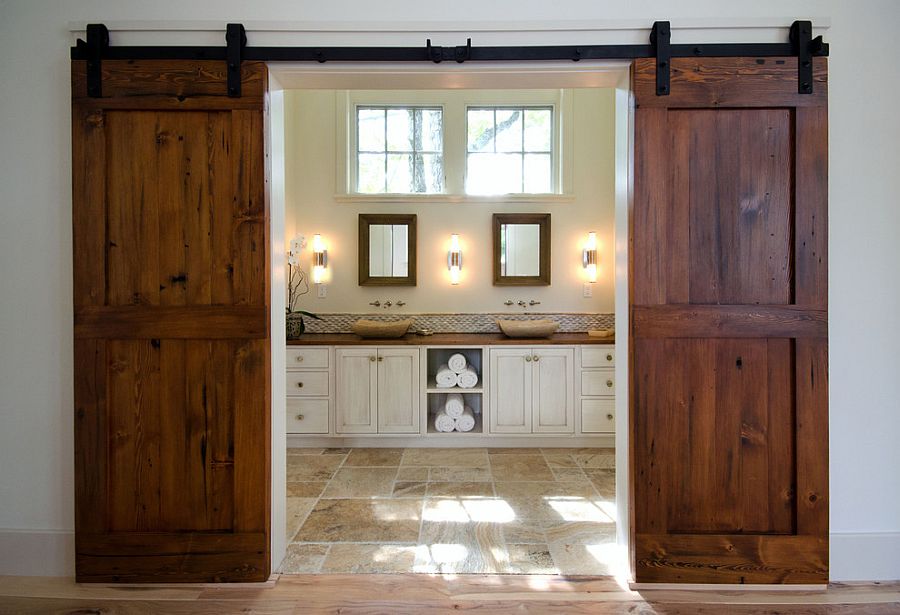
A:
x: 318, y: 246
x: 591, y: 241
x: 454, y: 259
x: 318, y: 274
x: 591, y: 273
x: 454, y: 275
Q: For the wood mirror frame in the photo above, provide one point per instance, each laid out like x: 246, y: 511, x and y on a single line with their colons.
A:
x: 367, y: 220
x: 543, y: 277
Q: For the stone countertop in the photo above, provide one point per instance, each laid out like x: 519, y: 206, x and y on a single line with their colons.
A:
x: 446, y: 339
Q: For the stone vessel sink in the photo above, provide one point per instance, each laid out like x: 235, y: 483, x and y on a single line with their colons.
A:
x: 375, y: 329
x: 528, y: 328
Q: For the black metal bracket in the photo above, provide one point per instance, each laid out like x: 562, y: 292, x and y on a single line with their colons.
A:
x: 236, y: 40
x: 660, y: 44
x: 459, y: 54
x: 805, y: 47
x: 97, y: 43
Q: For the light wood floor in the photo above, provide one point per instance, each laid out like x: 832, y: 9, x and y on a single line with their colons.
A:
x: 419, y: 593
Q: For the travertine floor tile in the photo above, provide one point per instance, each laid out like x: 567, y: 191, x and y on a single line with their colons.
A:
x: 581, y: 532
x: 545, y: 489
x: 306, y: 468
x: 600, y: 461
x: 520, y: 467
x: 303, y: 558
x: 306, y: 489
x: 374, y: 457
x: 453, y: 474
x: 364, y: 520
x: 581, y: 559
x: 604, y: 482
x: 369, y: 558
x: 296, y: 512
x: 524, y: 531
x: 412, y: 473
x: 569, y: 474
x: 450, y: 547
x: 304, y: 451
x: 460, y: 489
x: 361, y: 482
x: 405, y: 489
x: 514, y: 451
x: 442, y: 457
x: 529, y: 559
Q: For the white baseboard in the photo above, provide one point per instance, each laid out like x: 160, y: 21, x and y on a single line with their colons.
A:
x: 38, y: 553
x: 452, y: 440
x: 865, y: 557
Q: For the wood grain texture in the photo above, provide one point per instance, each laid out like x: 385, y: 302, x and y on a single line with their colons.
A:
x: 420, y: 593
x: 729, y: 82
x: 172, y: 333
x: 729, y: 324
x: 728, y: 321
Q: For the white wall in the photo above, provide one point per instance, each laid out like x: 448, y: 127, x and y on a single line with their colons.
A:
x: 313, y: 143
x: 35, y: 236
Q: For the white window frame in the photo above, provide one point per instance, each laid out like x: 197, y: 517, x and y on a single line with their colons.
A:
x: 454, y: 104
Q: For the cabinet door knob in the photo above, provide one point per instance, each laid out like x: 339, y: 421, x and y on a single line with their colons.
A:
x: 372, y: 359
x: 528, y: 358
x: 609, y: 383
x: 537, y: 358
x: 609, y: 416
x: 299, y: 358
x: 380, y: 359
x: 609, y: 357
x: 300, y: 385
x: 299, y: 417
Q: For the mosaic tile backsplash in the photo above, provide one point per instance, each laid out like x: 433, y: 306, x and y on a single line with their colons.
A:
x: 461, y: 323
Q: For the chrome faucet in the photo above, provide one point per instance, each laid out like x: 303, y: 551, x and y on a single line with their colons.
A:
x: 376, y: 303
x: 533, y: 302
x: 521, y: 303
x: 388, y: 304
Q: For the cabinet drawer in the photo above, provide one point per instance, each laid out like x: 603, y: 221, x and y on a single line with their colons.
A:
x: 307, y: 358
x: 307, y: 415
x: 307, y: 384
x: 599, y: 382
x: 598, y: 356
x: 598, y: 415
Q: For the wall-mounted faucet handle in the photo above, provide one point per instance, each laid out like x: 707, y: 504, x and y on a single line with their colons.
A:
x: 521, y: 303
x: 508, y: 302
x: 401, y: 303
x: 388, y: 304
x: 376, y: 303
x: 533, y: 302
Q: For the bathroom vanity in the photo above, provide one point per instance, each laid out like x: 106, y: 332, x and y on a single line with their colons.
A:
x: 340, y: 386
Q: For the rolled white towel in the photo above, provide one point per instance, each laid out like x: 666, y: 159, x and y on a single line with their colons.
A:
x: 454, y: 405
x: 466, y: 421
x: 446, y: 378
x: 444, y: 423
x: 468, y: 378
x: 457, y: 362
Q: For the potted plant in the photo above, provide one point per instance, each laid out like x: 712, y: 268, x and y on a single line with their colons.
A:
x: 298, y: 285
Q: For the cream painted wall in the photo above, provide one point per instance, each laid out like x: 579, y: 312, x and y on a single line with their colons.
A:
x: 36, y: 509
x: 314, y: 152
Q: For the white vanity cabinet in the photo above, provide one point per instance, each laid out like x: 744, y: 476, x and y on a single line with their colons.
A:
x: 532, y: 389
x: 597, y: 380
x: 377, y: 390
x: 308, y: 381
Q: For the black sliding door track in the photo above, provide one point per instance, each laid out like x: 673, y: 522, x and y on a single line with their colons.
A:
x: 801, y: 45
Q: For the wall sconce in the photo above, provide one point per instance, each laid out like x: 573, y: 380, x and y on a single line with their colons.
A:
x: 320, y: 259
x: 454, y: 259
x: 589, y: 257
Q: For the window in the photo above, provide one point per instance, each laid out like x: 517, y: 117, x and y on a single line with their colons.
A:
x: 509, y: 150
x: 399, y: 150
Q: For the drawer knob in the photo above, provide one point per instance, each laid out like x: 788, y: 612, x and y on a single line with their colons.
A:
x: 380, y: 359
x: 609, y: 383
x: 609, y: 357
x: 299, y: 358
x: 537, y: 358
x: 609, y: 417
x: 372, y: 359
x: 299, y: 417
x: 300, y: 385
x: 528, y: 358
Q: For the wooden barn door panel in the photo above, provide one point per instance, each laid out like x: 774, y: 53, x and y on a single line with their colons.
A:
x: 170, y: 231
x: 729, y: 324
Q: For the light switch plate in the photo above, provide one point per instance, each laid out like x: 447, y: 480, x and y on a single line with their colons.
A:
x: 588, y: 290
x: 321, y: 291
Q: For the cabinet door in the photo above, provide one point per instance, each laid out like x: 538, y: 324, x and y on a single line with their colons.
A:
x: 398, y: 390
x: 357, y: 391
x: 511, y: 390
x: 553, y: 390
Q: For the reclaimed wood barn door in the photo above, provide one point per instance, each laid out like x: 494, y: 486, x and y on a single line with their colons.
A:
x: 729, y: 368
x: 170, y: 232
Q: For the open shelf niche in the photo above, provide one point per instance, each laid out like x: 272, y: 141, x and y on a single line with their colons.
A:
x: 436, y: 397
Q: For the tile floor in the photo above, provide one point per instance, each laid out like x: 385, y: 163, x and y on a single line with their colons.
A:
x: 484, y: 510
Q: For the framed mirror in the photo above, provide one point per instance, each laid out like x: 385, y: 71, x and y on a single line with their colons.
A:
x: 387, y: 249
x: 521, y: 249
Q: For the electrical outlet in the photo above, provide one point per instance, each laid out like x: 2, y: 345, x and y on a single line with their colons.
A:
x: 588, y: 290
x: 321, y: 291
